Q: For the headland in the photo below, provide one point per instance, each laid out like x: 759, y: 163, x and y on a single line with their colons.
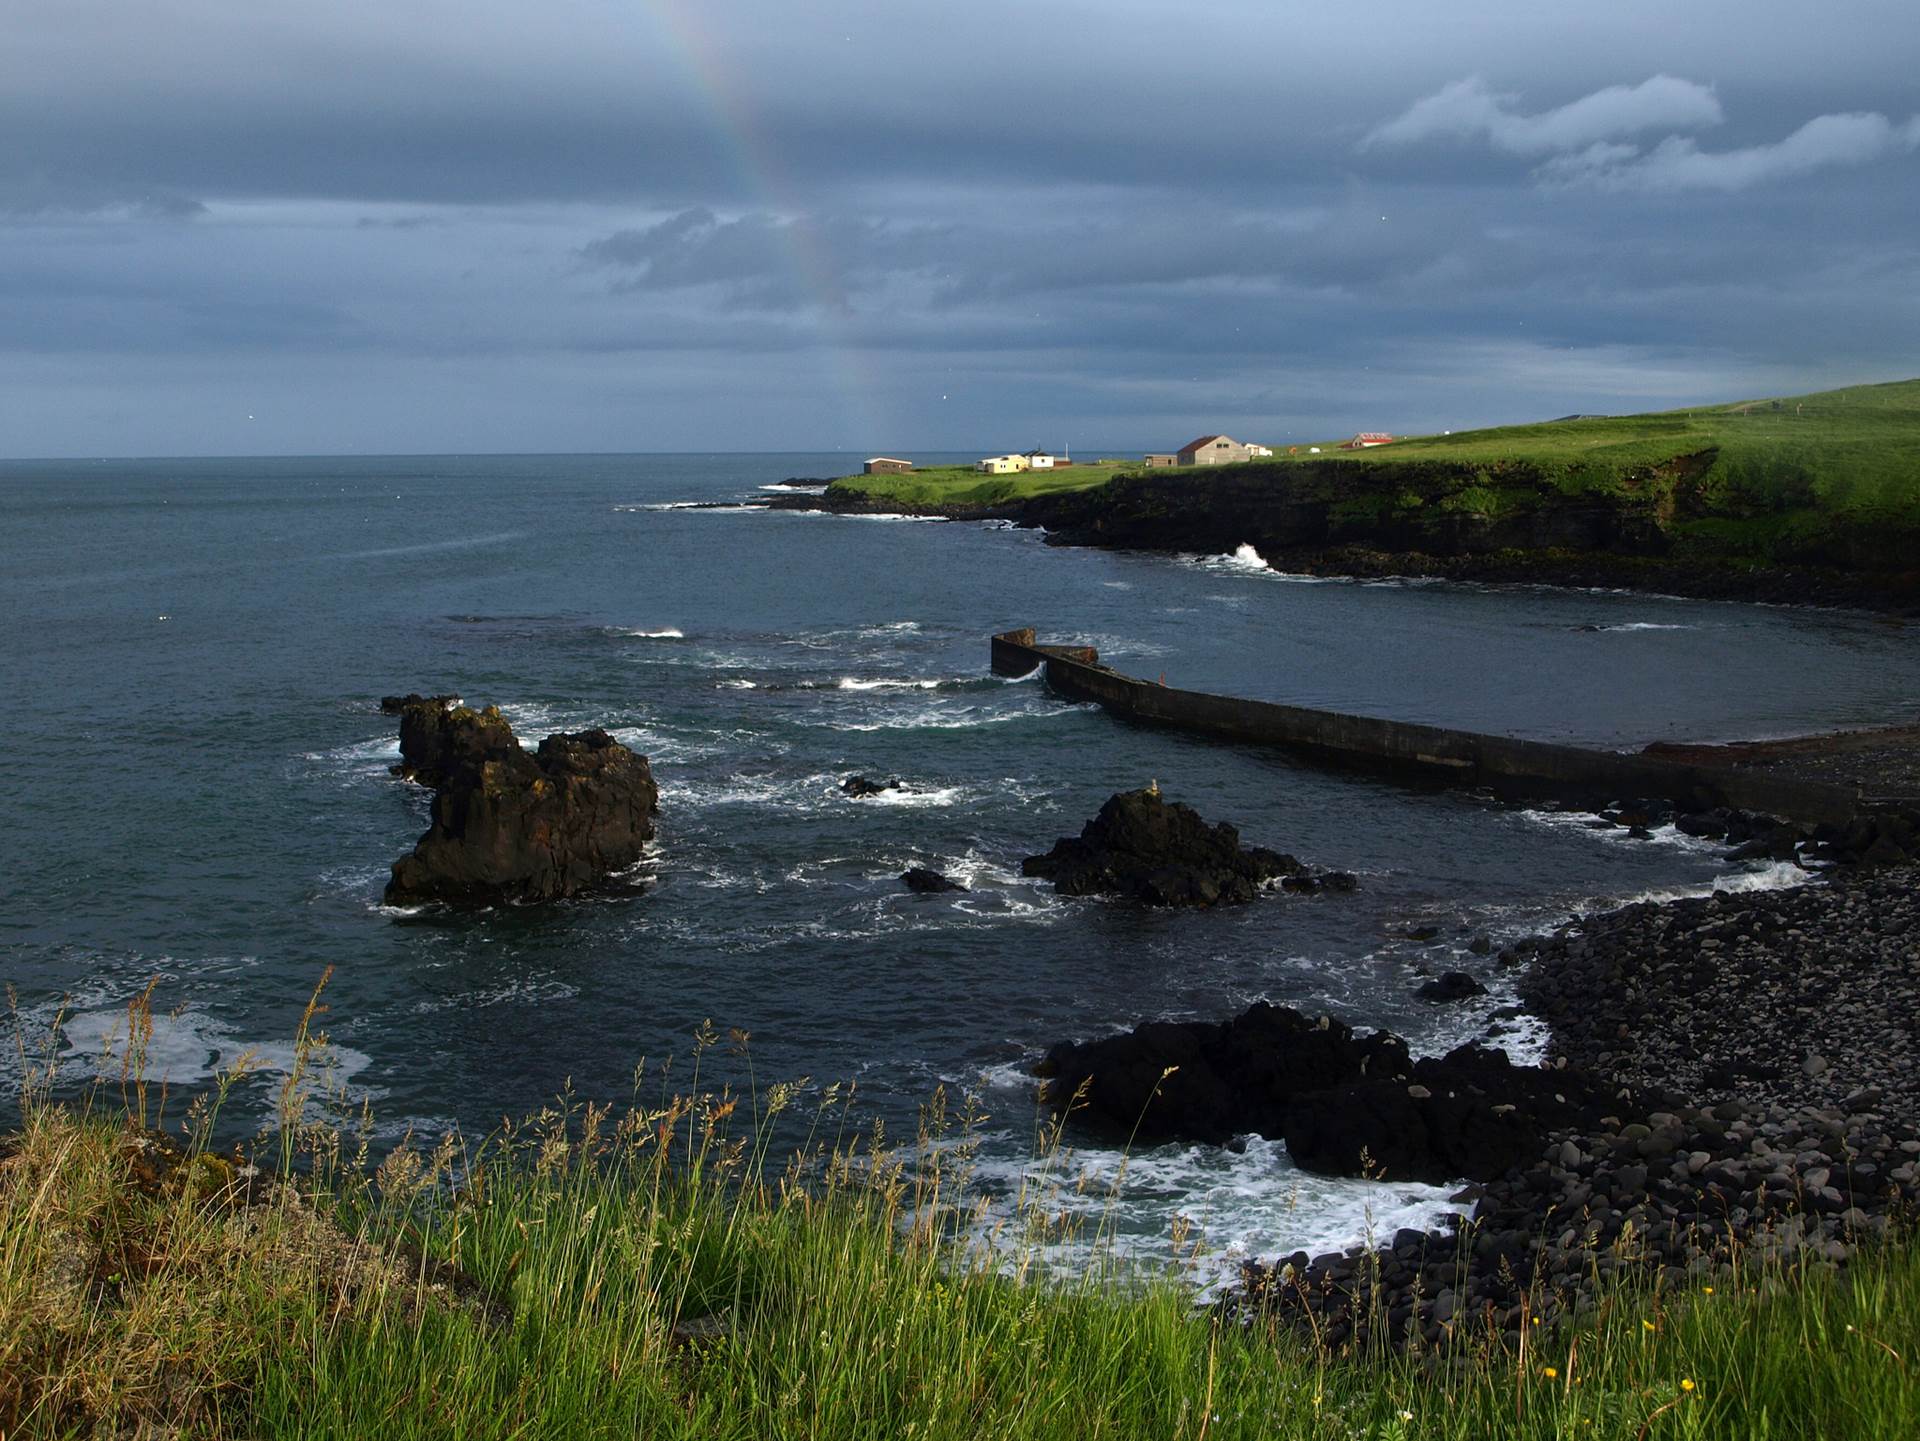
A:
x: 1811, y: 499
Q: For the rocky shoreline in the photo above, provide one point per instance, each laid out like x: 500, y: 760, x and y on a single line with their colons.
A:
x: 1787, y: 1020
x: 1081, y: 519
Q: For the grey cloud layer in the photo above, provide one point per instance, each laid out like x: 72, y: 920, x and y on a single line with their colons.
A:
x: 606, y: 224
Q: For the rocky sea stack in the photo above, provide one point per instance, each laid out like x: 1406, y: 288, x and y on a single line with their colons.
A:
x: 509, y: 825
x: 1161, y: 852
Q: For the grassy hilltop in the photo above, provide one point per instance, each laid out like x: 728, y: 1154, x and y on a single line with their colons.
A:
x: 1829, y: 480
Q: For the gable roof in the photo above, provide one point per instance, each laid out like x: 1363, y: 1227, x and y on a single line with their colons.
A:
x: 1203, y: 440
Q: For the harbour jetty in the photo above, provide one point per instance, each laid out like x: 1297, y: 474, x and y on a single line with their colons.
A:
x: 1434, y: 754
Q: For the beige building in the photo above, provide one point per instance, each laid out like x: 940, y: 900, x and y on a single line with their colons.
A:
x: 887, y: 465
x: 1001, y: 464
x: 1157, y: 461
x: 1214, y: 450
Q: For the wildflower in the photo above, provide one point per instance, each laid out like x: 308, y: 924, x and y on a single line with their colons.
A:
x: 1406, y: 1415
x: 1550, y: 1373
x: 1686, y: 1383
x: 1649, y: 1325
x: 1706, y: 1290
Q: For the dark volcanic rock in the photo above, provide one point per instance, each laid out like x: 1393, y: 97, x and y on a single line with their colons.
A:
x: 1346, y: 1104
x: 438, y: 738
x: 514, y: 826
x: 1452, y: 986
x: 1468, y: 1113
x: 1160, y: 852
x: 397, y: 704
x: 1788, y: 1018
x: 926, y: 882
x: 857, y: 786
x: 1212, y: 1081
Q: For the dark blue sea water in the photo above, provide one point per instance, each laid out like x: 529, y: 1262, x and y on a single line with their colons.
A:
x: 196, y: 786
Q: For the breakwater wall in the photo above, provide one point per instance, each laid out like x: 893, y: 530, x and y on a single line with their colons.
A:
x: 1434, y: 754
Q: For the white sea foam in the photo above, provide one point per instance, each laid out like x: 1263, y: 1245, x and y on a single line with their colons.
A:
x: 184, y: 1048
x: 1774, y: 876
x: 1645, y: 625
x: 736, y: 685
x: 1242, y: 1206
x: 946, y: 717
x: 1668, y: 835
x: 911, y: 798
x: 664, y: 633
x: 380, y: 751
x: 851, y: 682
x: 701, y: 505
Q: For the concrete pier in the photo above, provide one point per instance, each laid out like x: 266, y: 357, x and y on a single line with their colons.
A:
x: 1432, y: 754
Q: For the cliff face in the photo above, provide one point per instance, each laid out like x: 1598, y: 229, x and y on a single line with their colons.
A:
x: 1431, y: 507
x: 1676, y: 526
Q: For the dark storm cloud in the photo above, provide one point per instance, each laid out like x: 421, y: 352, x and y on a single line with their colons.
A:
x: 613, y: 223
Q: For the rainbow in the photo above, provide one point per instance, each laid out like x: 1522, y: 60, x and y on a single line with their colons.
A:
x: 692, y: 49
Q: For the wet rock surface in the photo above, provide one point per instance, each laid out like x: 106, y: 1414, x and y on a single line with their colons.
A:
x: 1787, y: 1018
x: 861, y: 786
x: 1348, y: 1103
x: 1146, y: 848
x: 923, y: 881
x: 1807, y: 996
x: 514, y: 826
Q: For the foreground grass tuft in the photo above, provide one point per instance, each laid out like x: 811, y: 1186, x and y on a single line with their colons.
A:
x: 645, y: 1273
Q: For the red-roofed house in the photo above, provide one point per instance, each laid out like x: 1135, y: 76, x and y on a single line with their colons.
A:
x: 1367, y: 438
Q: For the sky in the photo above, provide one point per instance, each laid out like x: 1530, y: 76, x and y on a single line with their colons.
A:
x: 253, y: 227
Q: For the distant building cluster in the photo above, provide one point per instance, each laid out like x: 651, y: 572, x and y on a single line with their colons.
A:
x: 1204, y: 450
x: 1023, y: 460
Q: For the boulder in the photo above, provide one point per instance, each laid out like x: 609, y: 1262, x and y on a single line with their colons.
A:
x: 1470, y: 1113
x: 513, y: 826
x: 857, y: 786
x: 1161, y: 852
x: 1451, y: 986
x: 925, y: 882
x: 1211, y: 1081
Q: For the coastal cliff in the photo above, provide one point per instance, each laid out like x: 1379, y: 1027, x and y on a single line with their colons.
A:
x: 1659, y: 527
x: 1809, y: 499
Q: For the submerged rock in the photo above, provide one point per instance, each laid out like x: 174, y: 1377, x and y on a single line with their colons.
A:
x: 1161, y: 852
x: 1451, y: 986
x: 514, y: 826
x: 927, y: 882
x: 858, y: 786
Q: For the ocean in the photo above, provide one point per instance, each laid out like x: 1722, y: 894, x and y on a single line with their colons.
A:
x: 198, y: 794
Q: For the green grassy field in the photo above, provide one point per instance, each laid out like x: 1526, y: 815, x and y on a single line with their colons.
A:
x: 594, y: 1273
x: 963, y: 485
x: 1826, y: 479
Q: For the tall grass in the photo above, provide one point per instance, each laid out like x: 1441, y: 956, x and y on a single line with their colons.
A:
x: 647, y: 1272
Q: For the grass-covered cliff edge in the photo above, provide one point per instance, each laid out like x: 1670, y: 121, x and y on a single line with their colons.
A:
x: 1813, y: 497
